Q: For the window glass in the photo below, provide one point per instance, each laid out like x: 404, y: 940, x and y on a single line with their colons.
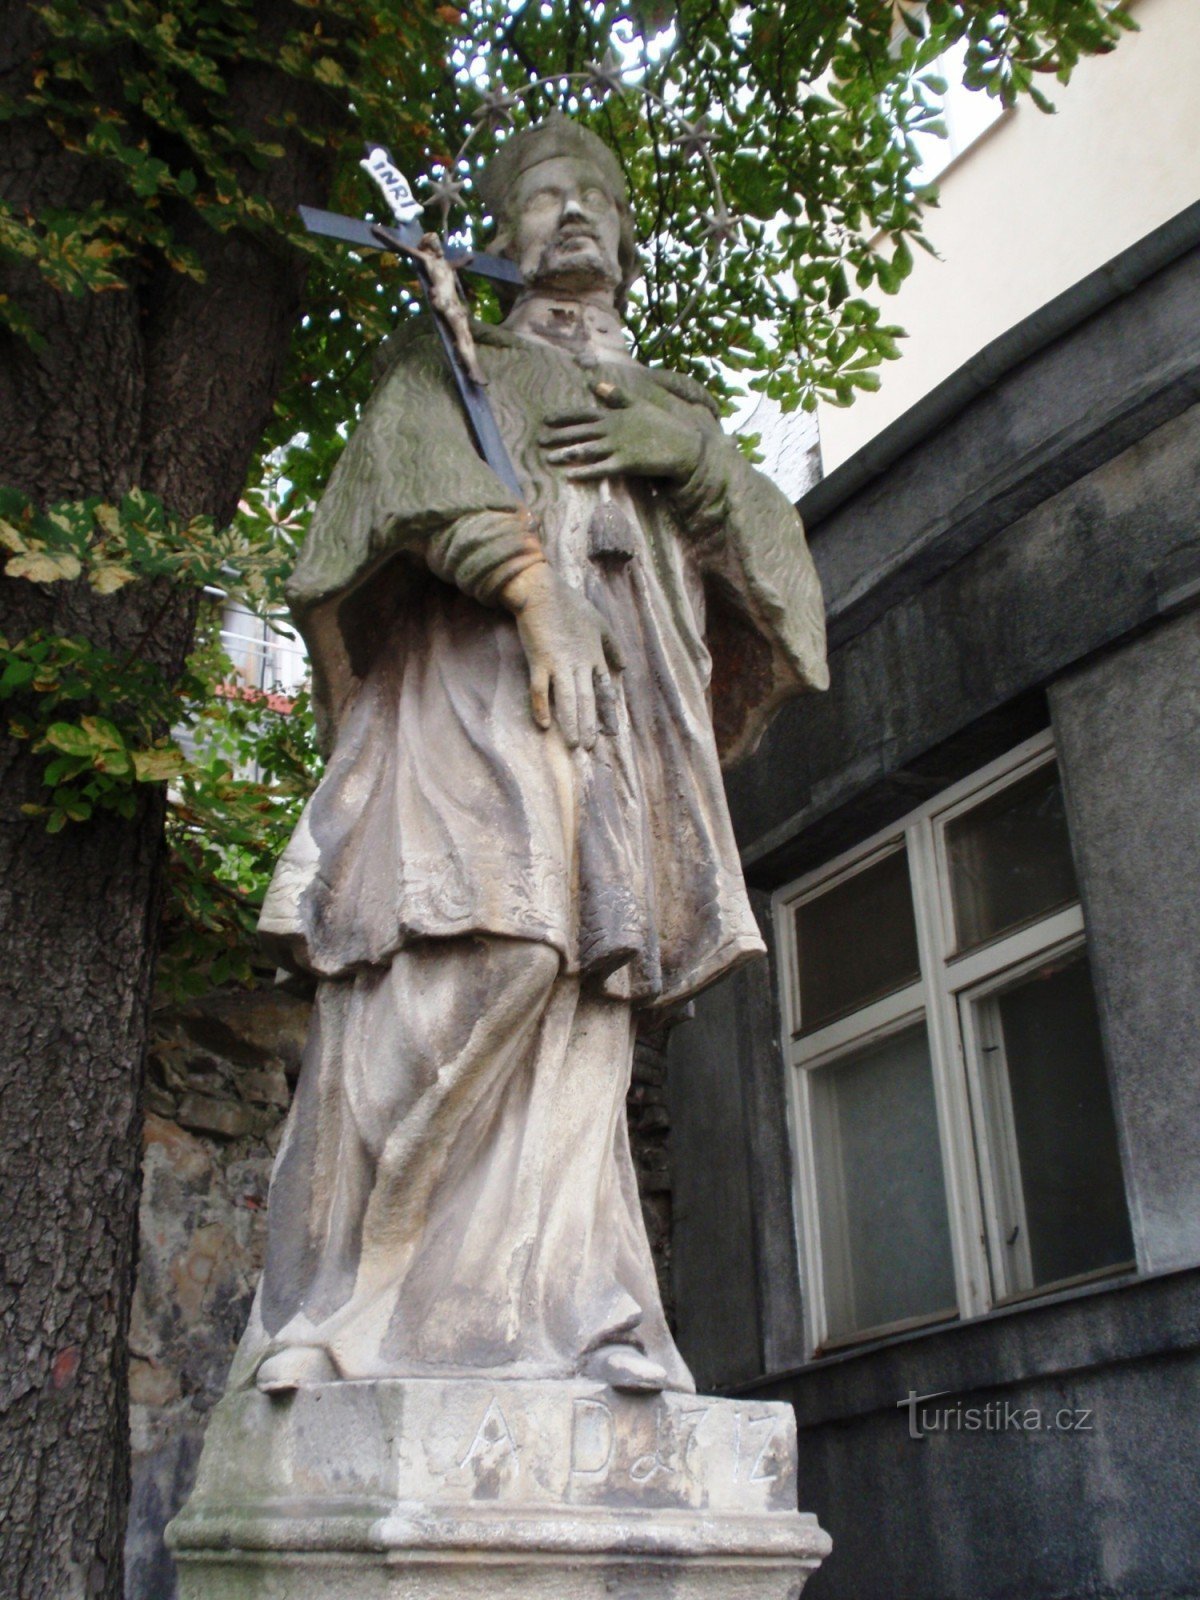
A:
x: 1011, y: 1107
x: 1068, y: 1216
x: 1010, y: 859
x: 885, y: 1235
x: 967, y: 114
x: 856, y: 942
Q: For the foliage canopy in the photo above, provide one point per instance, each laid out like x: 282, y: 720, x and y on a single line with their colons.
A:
x: 805, y: 110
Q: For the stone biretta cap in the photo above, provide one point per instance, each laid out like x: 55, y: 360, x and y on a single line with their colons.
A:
x: 556, y: 136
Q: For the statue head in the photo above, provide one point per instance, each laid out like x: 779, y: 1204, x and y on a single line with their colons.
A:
x: 561, y: 207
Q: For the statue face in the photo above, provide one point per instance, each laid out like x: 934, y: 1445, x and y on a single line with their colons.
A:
x: 566, y: 228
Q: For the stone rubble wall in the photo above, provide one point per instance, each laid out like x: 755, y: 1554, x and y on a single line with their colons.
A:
x: 219, y: 1081
x: 649, y: 1131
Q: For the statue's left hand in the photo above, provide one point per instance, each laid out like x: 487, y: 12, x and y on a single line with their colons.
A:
x: 618, y: 436
x: 570, y: 652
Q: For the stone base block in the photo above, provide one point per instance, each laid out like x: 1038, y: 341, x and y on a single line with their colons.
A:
x: 320, y: 1577
x: 431, y: 1489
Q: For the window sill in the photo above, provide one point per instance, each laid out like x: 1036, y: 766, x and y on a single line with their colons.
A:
x: 851, y: 1343
x: 1090, y: 1325
x: 1032, y: 1300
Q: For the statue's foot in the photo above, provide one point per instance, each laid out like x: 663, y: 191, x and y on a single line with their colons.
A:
x: 624, y: 1367
x: 295, y: 1368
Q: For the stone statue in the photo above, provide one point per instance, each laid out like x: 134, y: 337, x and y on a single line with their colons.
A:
x: 520, y: 845
x: 521, y: 841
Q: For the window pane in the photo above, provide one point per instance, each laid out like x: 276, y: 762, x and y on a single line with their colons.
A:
x: 856, y: 942
x: 1010, y: 858
x: 1063, y: 1209
x: 881, y: 1195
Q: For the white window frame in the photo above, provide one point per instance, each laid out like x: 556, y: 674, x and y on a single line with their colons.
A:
x: 980, y: 1184
x: 962, y: 133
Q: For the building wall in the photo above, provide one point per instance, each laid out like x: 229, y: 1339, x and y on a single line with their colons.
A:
x: 1038, y: 203
x: 1033, y: 562
x: 1074, y: 1478
x: 1128, y: 730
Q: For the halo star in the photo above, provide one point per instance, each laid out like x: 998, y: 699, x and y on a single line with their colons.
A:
x: 605, y: 77
x: 446, y: 192
x: 495, y: 109
x: 721, y: 227
x: 695, y: 138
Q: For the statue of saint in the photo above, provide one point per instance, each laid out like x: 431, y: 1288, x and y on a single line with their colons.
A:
x: 521, y: 842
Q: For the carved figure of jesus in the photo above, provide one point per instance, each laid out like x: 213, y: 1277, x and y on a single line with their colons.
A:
x: 521, y: 842
x: 446, y: 298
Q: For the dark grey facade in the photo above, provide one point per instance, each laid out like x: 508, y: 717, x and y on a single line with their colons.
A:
x: 1022, y: 552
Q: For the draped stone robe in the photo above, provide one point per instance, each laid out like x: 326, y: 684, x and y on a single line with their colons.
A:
x: 447, y: 822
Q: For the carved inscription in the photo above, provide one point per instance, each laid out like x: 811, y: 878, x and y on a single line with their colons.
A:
x: 493, y: 1441
x: 752, y: 1441
x: 673, y: 1445
x: 647, y: 1467
x: 593, y: 1438
x: 691, y: 1421
x: 660, y: 1446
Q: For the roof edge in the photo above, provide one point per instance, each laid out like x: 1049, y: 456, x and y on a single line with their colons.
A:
x: 1059, y: 316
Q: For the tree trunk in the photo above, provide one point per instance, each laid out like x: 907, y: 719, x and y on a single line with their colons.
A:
x: 168, y: 386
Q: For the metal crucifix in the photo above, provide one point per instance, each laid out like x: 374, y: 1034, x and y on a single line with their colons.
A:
x: 435, y: 268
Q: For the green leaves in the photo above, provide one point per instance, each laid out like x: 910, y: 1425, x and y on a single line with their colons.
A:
x: 43, y: 566
x: 158, y: 766
x: 93, y: 761
x: 225, y: 829
x: 99, y: 721
x: 122, y: 706
x: 138, y: 539
x: 238, y: 764
x: 79, y: 740
x: 813, y: 109
x: 166, y: 132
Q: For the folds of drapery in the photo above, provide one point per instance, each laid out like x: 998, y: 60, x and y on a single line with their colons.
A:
x: 455, y: 1192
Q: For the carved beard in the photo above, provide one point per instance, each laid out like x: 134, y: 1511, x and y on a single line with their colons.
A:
x: 576, y: 256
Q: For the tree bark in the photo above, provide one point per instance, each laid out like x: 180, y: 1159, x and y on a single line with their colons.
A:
x: 167, y: 386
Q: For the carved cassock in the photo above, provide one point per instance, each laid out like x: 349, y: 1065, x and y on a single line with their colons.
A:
x: 486, y: 909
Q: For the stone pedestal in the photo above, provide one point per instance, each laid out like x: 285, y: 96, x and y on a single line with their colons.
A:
x: 424, y: 1489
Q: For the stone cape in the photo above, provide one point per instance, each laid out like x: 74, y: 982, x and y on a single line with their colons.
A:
x: 622, y: 860
x: 390, y: 493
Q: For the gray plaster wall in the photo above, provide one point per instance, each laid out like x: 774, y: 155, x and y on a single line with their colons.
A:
x: 1049, y: 518
x: 714, y: 1276
x: 1108, y: 1511
x: 735, y: 1282
x: 1080, y: 570
x: 1032, y: 561
x: 1127, y: 728
x: 1018, y: 1513
x: 946, y: 679
x: 1099, y: 1500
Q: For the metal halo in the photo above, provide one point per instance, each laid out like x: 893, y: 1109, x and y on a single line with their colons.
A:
x: 694, y: 138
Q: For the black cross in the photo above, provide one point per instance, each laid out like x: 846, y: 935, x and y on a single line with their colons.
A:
x: 403, y: 237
